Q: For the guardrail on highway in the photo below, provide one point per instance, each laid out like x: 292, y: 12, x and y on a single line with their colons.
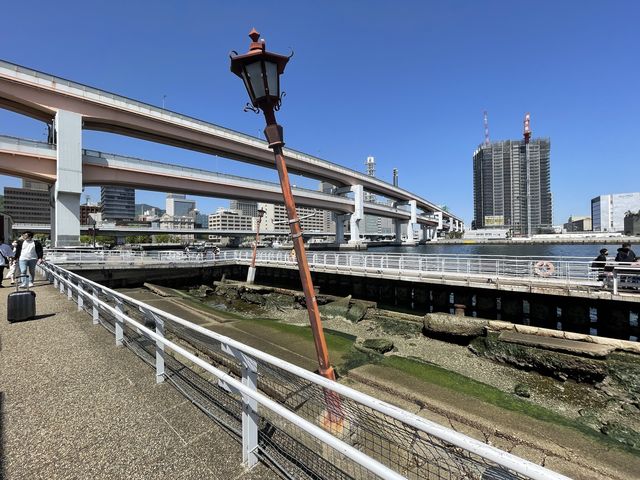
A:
x: 297, y: 421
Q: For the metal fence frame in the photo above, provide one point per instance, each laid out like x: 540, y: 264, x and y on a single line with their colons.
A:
x: 90, y: 292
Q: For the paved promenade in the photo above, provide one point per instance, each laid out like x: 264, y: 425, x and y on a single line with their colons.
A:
x: 75, y: 406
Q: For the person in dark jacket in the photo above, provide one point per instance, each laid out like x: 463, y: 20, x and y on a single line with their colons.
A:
x: 6, y: 257
x: 29, y: 252
x: 625, y: 254
x: 599, y: 263
x: 601, y: 259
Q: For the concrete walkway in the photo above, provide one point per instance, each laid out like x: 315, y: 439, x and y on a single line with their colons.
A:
x: 75, y: 406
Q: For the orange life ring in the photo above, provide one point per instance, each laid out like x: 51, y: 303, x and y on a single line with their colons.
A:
x: 544, y: 268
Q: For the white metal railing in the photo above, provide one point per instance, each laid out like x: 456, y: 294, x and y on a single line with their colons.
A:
x: 573, y: 270
x: 474, y: 458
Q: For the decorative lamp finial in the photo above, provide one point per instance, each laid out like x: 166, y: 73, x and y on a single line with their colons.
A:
x: 256, y: 44
x: 254, y: 35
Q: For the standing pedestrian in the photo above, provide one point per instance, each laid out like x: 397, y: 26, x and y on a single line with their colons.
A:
x: 29, y: 252
x: 6, y: 257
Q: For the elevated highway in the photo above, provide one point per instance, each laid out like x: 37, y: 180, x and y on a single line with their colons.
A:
x: 37, y: 161
x: 43, y: 96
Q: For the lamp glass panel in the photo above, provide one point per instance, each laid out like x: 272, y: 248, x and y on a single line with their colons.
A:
x: 247, y: 84
x: 272, y: 78
x: 254, y: 72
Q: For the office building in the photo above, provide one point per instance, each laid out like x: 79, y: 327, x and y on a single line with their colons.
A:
x: 86, y: 214
x: 117, y: 203
x: 608, y: 211
x: 225, y: 220
x: 177, y: 205
x: 577, y: 224
x: 500, y: 179
x: 144, y: 209
x: 276, y: 219
x: 246, y: 207
x: 29, y: 204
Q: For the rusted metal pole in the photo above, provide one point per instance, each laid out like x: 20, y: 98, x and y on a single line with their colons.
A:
x: 273, y: 132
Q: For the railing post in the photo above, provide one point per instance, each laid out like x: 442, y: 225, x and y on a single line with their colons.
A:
x: 95, y: 311
x: 80, y: 296
x: 159, y: 348
x: 249, y: 414
x: 119, y: 322
x: 250, y: 418
x: 69, y: 289
x: 61, y: 285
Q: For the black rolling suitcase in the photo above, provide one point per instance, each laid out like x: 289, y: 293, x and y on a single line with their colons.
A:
x: 21, y: 305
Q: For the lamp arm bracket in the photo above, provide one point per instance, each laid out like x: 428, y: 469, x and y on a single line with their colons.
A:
x: 249, y: 107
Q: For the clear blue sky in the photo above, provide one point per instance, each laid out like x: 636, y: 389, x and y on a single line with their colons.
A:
x: 404, y: 81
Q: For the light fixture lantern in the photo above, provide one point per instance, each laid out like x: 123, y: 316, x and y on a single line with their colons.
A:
x: 260, y: 71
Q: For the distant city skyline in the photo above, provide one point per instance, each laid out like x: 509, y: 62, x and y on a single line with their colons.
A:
x: 570, y: 64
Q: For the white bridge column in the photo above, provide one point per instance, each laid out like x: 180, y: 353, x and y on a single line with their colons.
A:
x: 357, y: 215
x: 410, y: 225
x: 440, y: 226
x: 411, y: 234
x: 65, y: 223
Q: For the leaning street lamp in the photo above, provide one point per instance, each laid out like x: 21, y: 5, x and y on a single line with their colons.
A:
x: 260, y: 71
x: 251, y: 274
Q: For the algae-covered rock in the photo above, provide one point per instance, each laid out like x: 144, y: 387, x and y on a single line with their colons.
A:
x: 252, y: 297
x: 380, y: 345
x: 357, y: 311
x: 202, y: 291
x: 279, y: 301
x: 338, y: 308
x: 622, y: 433
x: 522, y: 390
x: 555, y: 364
x: 394, y: 326
x: 447, y: 324
x: 231, y: 292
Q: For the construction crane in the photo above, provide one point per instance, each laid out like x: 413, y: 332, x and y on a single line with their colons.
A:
x: 527, y: 129
x: 486, y: 129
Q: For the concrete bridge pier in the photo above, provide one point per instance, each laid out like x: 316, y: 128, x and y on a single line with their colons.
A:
x: 355, y: 237
x: 357, y: 215
x: 412, y: 238
x: 340, y: 219
x: 65, y: 221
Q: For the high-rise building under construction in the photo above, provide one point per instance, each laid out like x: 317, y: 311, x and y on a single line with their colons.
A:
x: 511, y: 185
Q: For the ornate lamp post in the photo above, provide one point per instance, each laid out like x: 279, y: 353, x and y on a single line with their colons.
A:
x: 260, y: 71
x: 251, y: 274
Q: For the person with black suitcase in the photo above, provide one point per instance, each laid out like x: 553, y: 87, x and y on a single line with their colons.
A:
x: 29, y: 252
x: 21, y: 305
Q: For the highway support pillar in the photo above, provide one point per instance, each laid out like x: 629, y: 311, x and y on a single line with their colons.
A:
x: 356, y: 216
x: 340, y: 219
x: 65, y: 221
x: 413, y: 220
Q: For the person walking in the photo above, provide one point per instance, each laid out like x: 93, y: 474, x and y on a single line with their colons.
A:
x: 28, y: 253
x: 625, y: 254
x: 6, y: 257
